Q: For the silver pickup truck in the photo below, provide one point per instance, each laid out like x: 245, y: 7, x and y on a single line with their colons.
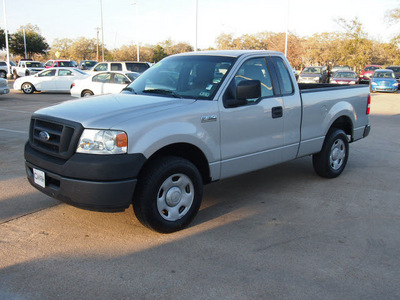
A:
x: 191, y: 119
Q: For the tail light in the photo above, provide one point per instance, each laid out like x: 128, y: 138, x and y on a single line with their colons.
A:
x: 368, y: 104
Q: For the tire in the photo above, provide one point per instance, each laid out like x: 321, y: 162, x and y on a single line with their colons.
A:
x: 15, y: 75
x: 332, y: 159
x: 87, y: 93
x: 3, y: 74
x: 27, y: 88
x: 168, y: 194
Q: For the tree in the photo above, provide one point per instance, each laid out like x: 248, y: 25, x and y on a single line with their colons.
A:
x: 35, y: 42
x: 61, y: 46
x: 83, y: 49
x: 357, y: 48
x: 159, y: 53
x: 2, y: 39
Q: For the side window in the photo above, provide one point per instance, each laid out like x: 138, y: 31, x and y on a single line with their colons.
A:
x: 256, y: 69
x: 116, y: 67
x: 120, y: 79
x: 103, y: 78
x: 284, y: 76
x: 48, y: 73
x: 64, y: 73
x: 101, y: 67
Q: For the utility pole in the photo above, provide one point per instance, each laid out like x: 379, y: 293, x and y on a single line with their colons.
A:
x: 6, y: 34
x: 97, y: 46
x: 23, y: 30
x: 102, y: 31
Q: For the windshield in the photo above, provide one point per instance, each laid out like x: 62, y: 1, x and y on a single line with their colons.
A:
x: 90, y: 63
x: 345, y: 75
x: 194, y: 77
x: 395, y: 69
x: 371, y: 68
x: 383, y: 75
x: 311, y: 70
x: 33, y: 64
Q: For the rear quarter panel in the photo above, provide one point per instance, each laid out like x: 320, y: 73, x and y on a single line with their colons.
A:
x: 322, y: 107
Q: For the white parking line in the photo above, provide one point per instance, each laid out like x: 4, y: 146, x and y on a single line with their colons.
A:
x: 14, y: 131
x: 19, y: 111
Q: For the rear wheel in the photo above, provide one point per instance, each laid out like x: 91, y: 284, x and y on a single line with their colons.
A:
x: 332, y: 159
x: 168, y: 194
x: 28, y: 88
x: 87, y: 93
x: 3, y: 74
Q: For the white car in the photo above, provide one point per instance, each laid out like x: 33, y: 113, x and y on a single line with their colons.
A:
x: 4, y: 89
x: 54, y: 79
x: 102, y: 83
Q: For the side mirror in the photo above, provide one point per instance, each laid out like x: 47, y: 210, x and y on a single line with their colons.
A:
x: 248, y: 89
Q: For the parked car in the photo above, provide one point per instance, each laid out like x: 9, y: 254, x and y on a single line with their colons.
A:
x: 102, y: 83
x: 4, y: 89
x: 3, y: 69
x: 340, y: 68
x: 26, y: 67
x: 314, y: 75
x: 87, y: 64
x: 396, y: 70
x: 60, y: 63
x: 123, y: 66
x: 383, y: 81
x: 367, y: 73
x: 54, y: 79
x: 344, y: 77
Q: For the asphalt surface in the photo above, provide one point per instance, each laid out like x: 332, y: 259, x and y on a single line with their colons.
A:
x: 279, y: 233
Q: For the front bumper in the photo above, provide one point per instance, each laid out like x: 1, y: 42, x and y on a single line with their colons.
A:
x: 378, y: 88
x: 94, y: 182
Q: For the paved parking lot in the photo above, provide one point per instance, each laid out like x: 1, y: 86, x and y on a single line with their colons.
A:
x: 280, y: 233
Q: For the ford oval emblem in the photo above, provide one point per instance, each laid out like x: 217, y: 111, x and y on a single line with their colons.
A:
x: 44, y: 136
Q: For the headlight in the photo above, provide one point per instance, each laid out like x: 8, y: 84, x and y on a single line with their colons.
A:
x: 395, y: 84
x: 352, y: 82
x: 373, y: 83
x: 94, y: 141
x: 333, y: 81
x: 316, y: 78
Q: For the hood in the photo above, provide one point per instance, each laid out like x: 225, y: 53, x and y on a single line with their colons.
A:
x: 105, y: 112
x: 384, y: 80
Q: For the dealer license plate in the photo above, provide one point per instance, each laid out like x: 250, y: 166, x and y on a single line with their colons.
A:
x: 39, y: 177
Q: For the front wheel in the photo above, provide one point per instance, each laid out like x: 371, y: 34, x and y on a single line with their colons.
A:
x: 28, y: 88
x: 332, y: 159
x: 168, y: 194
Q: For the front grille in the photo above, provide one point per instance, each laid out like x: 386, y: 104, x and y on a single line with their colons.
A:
x: 57, y: 138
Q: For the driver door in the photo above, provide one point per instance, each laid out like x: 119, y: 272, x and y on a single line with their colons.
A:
x: 251, y: 134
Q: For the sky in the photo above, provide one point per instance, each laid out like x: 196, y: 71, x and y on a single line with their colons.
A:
x: 152, y: 21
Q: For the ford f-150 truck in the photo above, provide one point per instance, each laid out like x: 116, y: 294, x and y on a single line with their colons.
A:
x: 190, y: 120
x: 26, y: 68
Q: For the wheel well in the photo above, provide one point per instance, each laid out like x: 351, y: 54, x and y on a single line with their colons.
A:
x: 189, y: 152
x: 345, y: 124
x: 86, y: 90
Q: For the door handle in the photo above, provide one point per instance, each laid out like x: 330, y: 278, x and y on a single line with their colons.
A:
x: 277, y: 112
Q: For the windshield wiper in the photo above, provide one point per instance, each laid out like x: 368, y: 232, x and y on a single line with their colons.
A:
x: 129, y: 89
x: 163, y: 92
